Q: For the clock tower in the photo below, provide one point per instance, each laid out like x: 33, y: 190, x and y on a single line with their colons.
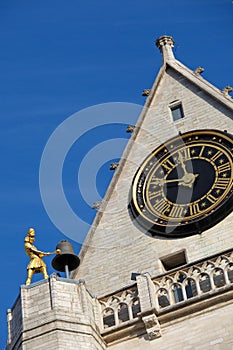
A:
x: 156, y: 268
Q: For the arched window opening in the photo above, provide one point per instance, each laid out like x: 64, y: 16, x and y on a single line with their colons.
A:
x: 123, y: 313
x: 135, y: 308
x: 108, y: 318
x: 230, y: 272
x: 163, y: 299
x: 190, y: 288
x: 181, y: 277
x: 204, y: 282
x: 218, y: 277
x: 177, y: 293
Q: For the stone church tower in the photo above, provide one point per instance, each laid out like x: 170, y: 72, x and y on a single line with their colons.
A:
x: 156, y: 267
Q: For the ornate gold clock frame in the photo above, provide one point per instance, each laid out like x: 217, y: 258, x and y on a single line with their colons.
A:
x: 185, y: 185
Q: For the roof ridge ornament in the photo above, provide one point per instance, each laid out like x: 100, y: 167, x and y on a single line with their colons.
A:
x: 226, y: 90
x: 165, y: 44
x: 198, y: 70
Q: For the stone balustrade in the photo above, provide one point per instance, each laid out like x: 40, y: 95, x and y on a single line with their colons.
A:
x: 190, y: 282
x: 120, y: 307
x: 193, y: 281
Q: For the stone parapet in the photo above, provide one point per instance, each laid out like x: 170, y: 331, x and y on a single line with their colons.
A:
x: 56, y: 313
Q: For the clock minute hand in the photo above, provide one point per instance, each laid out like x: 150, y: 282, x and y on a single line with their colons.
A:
x: 181, y: 159
x: 172, y: 180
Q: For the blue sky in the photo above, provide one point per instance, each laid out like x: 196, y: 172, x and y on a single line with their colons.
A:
x: 58, y: 57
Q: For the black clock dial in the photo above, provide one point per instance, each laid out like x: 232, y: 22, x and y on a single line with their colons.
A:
x: 185, y: 186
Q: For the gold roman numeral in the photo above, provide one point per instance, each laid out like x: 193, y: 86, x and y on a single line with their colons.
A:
x: 216, y: 155
x: 194, y: 209
x: 201, y: 151
x: 211, y: 198
x: 156, y: 182
x: 186, y: 153
x: 168, y: 165
x: 154, y: 194
x: 221, y: 183
x: 176, y: 211
x: 161, y: 206
x: 224, y: 167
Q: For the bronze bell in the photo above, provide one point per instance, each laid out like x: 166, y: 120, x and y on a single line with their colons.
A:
x: 65, y: 260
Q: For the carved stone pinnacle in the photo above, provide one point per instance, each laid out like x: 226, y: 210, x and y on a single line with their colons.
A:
x: 165, y: 44
x: 164, y: 40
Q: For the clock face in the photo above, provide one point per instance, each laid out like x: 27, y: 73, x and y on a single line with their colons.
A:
x: 185, y: 186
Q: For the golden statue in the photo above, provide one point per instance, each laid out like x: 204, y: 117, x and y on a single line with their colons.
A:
x: 36, y: 264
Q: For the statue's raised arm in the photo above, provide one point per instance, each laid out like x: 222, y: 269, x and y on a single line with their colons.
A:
x: 36, y: 264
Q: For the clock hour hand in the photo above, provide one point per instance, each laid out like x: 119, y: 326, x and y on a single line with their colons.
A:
x: 161, y: 182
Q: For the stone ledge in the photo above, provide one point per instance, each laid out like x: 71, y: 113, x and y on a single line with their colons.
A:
x: 127, y: 330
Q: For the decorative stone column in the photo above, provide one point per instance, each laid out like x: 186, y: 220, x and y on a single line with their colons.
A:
x: 147, y: 303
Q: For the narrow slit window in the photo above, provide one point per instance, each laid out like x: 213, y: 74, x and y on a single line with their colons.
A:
x: 177, y: 111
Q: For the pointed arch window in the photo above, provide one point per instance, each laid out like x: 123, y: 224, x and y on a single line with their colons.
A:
x: 123, y: 312
x: 108, y: 317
